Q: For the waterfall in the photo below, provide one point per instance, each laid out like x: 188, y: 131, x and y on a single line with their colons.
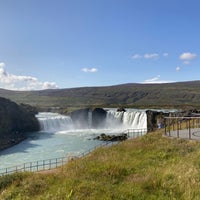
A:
x: 129, y: 119
x: 114, y: 119
x: 89, y: 118
x: 136, y: 120
x: 52, y: 122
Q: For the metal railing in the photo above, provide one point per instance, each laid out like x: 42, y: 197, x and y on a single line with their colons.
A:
x: 35, y: 166
x: 133, y: 133
x: 183, y: 127
x: 53, y: 163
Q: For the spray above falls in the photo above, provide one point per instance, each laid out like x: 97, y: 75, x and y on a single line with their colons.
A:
x: 94, y: 119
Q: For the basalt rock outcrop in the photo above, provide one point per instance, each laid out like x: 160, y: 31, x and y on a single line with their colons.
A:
x: 88, y: 118
x: 80, y: 118
x: 15, y: 120
x: 104, y: 137
x: 98, y: 117
x: 155, y: 119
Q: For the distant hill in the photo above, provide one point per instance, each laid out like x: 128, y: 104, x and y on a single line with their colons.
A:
x: 129, y: 95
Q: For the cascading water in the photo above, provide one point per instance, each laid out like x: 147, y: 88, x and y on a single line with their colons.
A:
x: 128, y: 120
x: 52, y: 122
x: 135, y: 120
x: 89, y: 119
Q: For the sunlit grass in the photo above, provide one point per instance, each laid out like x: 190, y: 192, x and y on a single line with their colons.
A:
x: 149, y: 167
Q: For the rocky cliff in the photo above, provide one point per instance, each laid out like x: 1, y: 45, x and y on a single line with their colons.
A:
x: 15, y: 120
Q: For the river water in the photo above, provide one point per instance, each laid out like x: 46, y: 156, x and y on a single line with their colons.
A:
x: 58, y: 137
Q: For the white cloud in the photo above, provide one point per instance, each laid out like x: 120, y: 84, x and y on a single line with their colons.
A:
x: 49, y: 85
x: 2, y: 64
x: 178, y: 68
x: 91, y: 70
x: 165, y: 54
x: 156, y: 80
x: 136, y: 56
x: 186, y: 62
x: 17, y: 82
x: 187, y: 56
x: 151, y: 56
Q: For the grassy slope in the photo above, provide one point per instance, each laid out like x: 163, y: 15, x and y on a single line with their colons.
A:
x: 150, y: 167
x: 169, y: 94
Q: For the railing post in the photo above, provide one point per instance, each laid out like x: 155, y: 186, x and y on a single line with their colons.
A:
x: 169, y: 127
x: 177, y: 128
x: 193, y: 122
x: 30, y: 166
x: 43, y: 164
x: 37, y: 166
x: 189, y: 130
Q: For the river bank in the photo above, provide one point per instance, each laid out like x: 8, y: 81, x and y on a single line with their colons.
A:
x: 149, y: 167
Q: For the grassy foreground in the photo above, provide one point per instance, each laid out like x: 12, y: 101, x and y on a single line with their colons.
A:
x: 150, y: 167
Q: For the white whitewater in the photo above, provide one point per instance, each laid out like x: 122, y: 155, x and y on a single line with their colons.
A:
x: 131, y: 119
x: 53, y: 122
x: 128, y: 120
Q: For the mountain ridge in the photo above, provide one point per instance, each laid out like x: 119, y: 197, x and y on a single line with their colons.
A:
x: 127, y: 94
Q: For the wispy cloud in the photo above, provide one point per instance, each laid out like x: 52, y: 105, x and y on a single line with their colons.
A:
x: 136, y: 56
x: 165, y: 54
x: 153, y: 56
x: 90, y: 70
x: 156, y: 80
x: 178, y: 68
x: 187, y: 57
x: 17, y: 82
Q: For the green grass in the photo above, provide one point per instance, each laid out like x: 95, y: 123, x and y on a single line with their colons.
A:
x: 150, y: 167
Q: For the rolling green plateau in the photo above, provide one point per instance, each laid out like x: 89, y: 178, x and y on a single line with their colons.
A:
x: 180, y: 94
x: 150, y: 167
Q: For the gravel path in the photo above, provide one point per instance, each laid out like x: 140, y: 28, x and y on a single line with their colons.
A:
x: 193, y: 133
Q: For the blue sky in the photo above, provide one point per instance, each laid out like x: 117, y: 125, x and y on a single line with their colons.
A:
x: 74, y: 43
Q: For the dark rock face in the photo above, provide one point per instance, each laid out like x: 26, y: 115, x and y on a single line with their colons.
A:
x: 98, y: 117
x: 87, y: 118
x: 155, y: 119
x: 104, y: 137
x: 32, y: 110
x: 121, y: 109
x: 80, y: 118
x: 14, y: 121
